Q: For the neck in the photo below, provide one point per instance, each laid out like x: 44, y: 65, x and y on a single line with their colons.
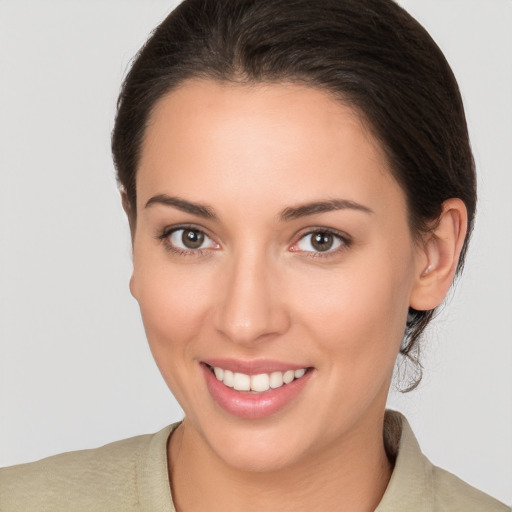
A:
x: 351, y: 475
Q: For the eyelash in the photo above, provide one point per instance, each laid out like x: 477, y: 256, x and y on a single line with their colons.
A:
x: 167, y: 233
x: 343, y: 238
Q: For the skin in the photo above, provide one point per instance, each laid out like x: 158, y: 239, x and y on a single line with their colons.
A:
x: 258, y: 290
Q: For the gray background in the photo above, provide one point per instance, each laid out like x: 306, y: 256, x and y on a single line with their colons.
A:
x: 75, y: 370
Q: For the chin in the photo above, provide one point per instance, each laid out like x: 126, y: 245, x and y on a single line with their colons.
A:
x: 258, y: 458
x: 255, y: 447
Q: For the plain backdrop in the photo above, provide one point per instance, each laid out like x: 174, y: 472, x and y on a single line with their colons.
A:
x: 75, y: 369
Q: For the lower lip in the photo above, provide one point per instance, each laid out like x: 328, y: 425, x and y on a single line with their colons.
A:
x: 253, y: 405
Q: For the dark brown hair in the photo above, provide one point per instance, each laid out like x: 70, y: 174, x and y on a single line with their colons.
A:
x: 371, y: 54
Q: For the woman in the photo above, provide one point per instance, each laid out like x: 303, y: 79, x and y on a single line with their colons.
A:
x: 300, y: 189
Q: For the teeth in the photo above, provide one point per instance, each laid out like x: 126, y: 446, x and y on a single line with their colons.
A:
x: 288, y: 376
x: 228, y: 379
x: 242, y: 382
x: 276, y: 380
x: 257, y: 383
x: 260, y: 382
x: 219, y: 373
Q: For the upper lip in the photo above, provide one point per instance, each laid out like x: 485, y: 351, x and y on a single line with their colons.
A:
x: 253, y: 367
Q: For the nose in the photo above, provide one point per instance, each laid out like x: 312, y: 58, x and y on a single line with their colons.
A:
x: 252, y: 307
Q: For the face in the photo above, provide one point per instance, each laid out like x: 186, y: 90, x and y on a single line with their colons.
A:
x: 274, y: 268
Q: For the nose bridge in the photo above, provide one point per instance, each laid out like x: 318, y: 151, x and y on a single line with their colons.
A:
x: 250, y: 309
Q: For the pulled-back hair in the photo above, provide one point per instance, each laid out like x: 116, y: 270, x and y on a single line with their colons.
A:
x: 370, y: 54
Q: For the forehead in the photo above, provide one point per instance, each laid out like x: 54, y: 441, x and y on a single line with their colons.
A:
x: 252, y: 141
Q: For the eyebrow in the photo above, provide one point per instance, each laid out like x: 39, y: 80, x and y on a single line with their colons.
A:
x: 289, y: 213
x: 304, y: 210
x: 200, y: 210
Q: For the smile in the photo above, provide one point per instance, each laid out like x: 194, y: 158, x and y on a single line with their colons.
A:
x: 259, y: 383
x: 254, y: 390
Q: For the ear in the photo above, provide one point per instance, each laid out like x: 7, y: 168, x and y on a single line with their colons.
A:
x: 129, y: 213
x: 133, y: 287
x: 131, y: 220
x: 439, y: 256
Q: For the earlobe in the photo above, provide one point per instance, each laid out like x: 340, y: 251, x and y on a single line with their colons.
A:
x: 440, y: 251
x: 133, y: 288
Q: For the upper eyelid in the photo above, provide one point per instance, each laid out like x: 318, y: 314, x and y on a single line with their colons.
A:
x: 165, y: 232
x: 319, y: 229
x: 164, y: 237
x: 346, y: 242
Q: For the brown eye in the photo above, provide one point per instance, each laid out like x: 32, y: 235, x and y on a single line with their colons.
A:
x: 322, y: 241
x: 192, y: 239
x: 188, y: 239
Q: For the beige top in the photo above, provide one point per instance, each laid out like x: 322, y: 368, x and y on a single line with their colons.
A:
x: 132, y: 475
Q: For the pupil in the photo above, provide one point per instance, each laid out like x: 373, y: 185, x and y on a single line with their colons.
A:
x: 192, y: 239
x: 322, y: 241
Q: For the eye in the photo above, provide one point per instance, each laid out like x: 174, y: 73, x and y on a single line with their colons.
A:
x: 186, y: 240
x: 320, y: 241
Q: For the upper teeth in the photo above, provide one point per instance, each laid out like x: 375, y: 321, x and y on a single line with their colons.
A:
x: 261, y: 382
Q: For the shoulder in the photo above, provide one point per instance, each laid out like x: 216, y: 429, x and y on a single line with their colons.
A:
x: 416, y: 484
x: 105, y: 478
x: 451, y: 493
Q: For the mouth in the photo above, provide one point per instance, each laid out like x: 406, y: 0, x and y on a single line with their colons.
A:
x: 259, y: 383
x: 254, y: 391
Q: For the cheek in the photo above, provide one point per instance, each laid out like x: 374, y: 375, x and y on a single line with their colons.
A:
x: 357, y: 313
x: 174, y: 304
x: 174, y: 301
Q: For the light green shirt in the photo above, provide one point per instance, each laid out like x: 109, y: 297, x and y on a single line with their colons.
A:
x: 132, y: 475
